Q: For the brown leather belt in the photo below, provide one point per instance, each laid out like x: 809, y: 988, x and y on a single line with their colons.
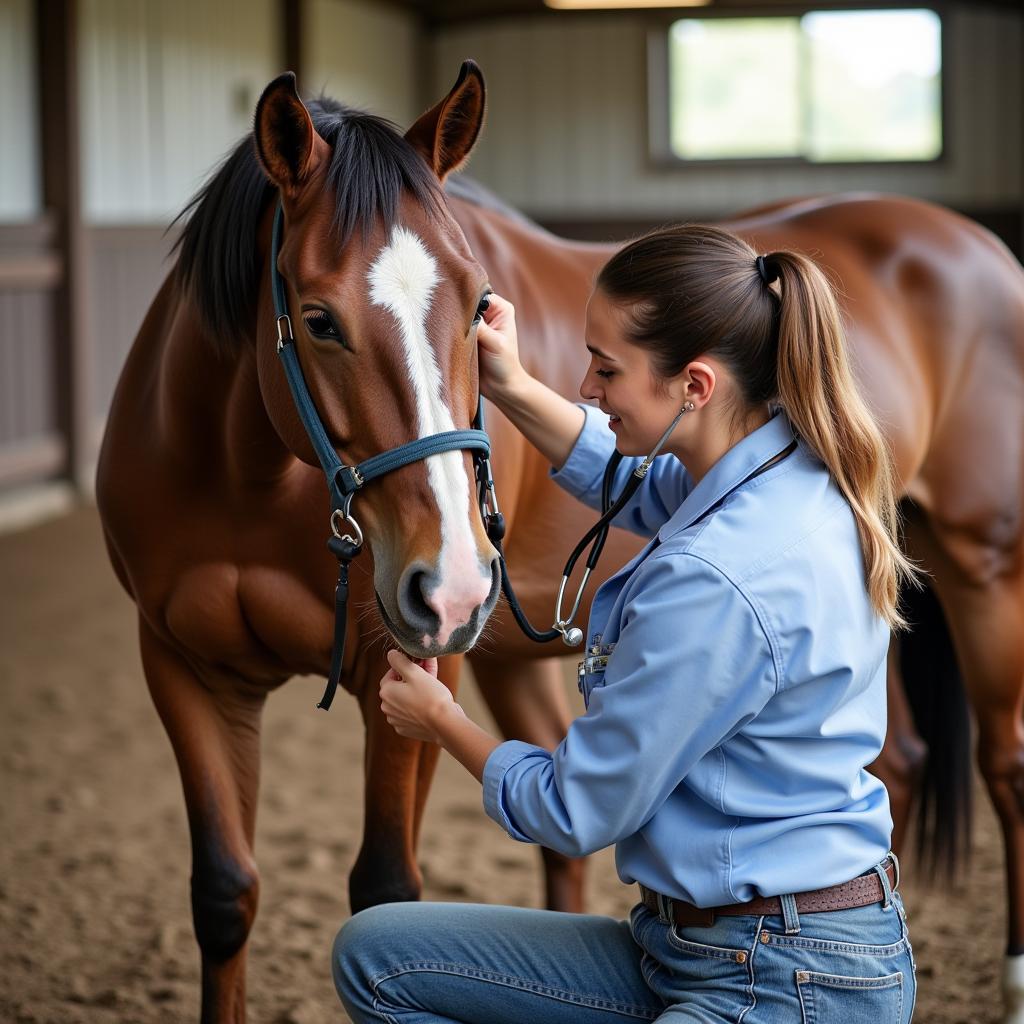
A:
x: 858, y: 892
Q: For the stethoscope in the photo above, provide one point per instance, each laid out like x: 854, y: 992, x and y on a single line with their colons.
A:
x: 572, y: 636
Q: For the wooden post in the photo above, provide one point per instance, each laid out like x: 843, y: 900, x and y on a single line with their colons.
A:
x: 56, y: 47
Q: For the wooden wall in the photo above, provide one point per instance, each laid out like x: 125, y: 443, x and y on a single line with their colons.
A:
x: 165, y: 89
x: 566, y: 135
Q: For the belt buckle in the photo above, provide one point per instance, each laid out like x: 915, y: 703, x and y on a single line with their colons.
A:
x: 896, y: 867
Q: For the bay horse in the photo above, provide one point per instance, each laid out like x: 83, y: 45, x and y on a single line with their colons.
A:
x: 215, y: 510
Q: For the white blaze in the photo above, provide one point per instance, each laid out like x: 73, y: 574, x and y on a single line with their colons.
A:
x: 402, y: 280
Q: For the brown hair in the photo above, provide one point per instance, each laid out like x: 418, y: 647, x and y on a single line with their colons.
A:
x: 694, y: 289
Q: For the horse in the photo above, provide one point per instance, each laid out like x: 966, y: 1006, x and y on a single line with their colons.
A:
x: 215, y: 511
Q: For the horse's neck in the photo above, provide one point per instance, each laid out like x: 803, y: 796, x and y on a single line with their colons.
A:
x: 213, y: 410
x: 548, y: 278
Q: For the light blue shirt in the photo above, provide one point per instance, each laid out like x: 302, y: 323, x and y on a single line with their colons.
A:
x: 723, y: 747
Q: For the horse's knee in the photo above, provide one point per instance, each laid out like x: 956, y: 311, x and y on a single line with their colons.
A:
x: 375, y: 880
x: 1002, y: 768
x: 224, y: 899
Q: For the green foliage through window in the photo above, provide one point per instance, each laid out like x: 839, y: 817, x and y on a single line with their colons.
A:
x: 827, y: 86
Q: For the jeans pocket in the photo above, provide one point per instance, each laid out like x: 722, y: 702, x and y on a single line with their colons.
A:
x: 677, y: 940
x: 827, y: 998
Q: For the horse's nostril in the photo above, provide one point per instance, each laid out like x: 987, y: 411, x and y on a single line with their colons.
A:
x: 418, y: 593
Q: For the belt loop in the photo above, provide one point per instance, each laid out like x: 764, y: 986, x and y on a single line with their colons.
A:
x: 663, y: 908
x: 879, y: 870
x: 790, y: 917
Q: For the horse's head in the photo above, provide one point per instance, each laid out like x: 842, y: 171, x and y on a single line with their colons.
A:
x: 385, y: 296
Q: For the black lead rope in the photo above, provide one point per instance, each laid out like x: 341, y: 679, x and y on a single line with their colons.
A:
x: 344, y: 550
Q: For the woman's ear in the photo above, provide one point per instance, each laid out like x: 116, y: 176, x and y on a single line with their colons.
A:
x: 287, y: 144
x: 446, y: 133
x: 696, y: 383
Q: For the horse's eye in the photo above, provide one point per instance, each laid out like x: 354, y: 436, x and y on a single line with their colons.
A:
x: 320, y: 324
x: 481, y: 306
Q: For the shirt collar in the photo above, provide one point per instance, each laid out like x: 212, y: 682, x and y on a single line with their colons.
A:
x: 747, y: 455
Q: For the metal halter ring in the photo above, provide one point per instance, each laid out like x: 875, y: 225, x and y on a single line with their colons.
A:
x: 337, y: 518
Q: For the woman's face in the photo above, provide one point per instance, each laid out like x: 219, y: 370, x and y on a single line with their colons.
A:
x: 620, y: 380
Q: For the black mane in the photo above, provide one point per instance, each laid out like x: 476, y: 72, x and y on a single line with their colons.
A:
x: 371, y: 164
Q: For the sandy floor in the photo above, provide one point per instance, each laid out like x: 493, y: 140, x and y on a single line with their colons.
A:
x: 94, y: 858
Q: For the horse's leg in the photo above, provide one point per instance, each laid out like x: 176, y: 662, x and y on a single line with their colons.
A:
x: 385, y: 870
x: 987, y: 622
x: 448, y: 671
x: 982, y: 591
x: 527, y: 700
x: 900, y: 764
x: 215, y: 735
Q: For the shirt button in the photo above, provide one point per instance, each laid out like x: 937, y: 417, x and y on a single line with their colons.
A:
x: 741, y: 957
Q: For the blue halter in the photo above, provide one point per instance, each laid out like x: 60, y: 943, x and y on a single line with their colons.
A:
x: 343, y: 481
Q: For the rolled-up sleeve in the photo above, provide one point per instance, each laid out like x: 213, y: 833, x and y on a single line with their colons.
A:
x: 666, y: 485
x: 692, y: 665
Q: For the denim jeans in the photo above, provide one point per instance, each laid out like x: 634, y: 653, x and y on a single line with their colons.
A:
x: 413, y: 963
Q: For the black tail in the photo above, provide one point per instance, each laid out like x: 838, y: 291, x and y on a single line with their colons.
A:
x: 938, y: 701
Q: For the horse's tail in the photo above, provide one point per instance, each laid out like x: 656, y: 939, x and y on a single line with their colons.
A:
x: 938, y: 702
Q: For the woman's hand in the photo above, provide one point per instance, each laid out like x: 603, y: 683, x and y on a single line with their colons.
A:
x: 412, y: 697
x: 499, y: 348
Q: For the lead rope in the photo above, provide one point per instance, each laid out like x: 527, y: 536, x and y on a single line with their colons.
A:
x: 344, y: 549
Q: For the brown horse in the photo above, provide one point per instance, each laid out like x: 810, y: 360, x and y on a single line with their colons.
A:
x: 215, y: 510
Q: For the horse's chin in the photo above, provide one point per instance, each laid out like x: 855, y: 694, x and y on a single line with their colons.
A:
x: 413, y: 646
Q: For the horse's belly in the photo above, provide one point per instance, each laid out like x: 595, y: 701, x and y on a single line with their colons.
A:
x: 262, y: 623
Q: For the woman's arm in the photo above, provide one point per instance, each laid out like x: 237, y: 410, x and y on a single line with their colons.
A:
x: 419, y: 706
x: 548, y: 421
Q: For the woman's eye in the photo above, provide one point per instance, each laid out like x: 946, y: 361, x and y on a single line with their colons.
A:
x: 320, y: 324
x: 605, y: 373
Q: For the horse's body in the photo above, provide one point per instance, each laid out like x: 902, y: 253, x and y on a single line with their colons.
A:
x: 217, y: 529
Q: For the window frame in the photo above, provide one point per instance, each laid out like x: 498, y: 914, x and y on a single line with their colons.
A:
x: 662, y: 156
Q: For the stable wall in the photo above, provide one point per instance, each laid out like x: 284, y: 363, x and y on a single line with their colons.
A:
x: 566, y: 134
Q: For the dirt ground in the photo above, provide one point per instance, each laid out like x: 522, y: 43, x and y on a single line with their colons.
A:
x: 94, y: 856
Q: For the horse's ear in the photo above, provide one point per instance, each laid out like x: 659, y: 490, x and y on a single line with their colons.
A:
x: 445, y: 134
x: 287, y: 144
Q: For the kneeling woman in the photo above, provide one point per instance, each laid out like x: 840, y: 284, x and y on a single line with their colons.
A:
x: 734, y: 684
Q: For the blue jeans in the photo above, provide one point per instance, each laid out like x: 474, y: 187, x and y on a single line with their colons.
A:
x: 413, y: 963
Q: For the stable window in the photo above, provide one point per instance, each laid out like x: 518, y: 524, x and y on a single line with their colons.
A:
x: 822, y: 87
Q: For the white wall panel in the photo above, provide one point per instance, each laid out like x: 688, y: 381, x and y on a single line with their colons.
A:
x: 566, y: 133
x: 167, y: 89
x: 363, y: 53
x: 20, y: 191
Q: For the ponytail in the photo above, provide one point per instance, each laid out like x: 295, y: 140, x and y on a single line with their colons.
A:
x: 819, y: 393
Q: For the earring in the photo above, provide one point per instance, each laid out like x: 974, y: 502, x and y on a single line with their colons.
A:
x: 688, y: 406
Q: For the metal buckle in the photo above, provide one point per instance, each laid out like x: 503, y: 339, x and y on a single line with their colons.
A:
x: 337, y: 518
x: 285, y: 334
x: 896, y: 865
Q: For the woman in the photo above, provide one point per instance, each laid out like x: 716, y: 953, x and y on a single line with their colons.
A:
x: 734, y: 684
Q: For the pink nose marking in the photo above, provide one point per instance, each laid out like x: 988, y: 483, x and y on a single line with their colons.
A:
x: 456, y: 598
